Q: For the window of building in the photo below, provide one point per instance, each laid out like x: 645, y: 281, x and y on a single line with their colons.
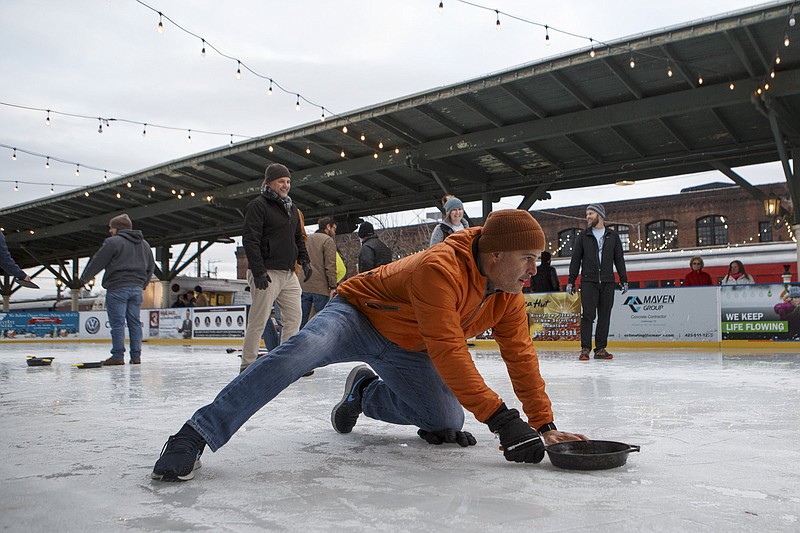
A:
x: 566, y: 241
x: 712, y: 230
x: 624, y: 235
x: 764, y: 232
x: 662, y: 235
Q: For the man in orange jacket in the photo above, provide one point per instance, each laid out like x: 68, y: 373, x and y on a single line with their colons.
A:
x: 408, y: 320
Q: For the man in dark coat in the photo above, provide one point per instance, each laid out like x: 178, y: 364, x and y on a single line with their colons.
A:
x: 546, y: 277
x: 374, y: 252
x: 597, y: 251
x: 273, y: 241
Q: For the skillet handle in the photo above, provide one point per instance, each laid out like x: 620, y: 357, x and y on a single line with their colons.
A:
x: 634, y: 448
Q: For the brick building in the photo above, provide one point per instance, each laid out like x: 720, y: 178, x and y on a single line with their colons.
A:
x: 716, y: 214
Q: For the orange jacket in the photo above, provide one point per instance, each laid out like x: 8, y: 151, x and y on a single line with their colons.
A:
x: 433, y: 301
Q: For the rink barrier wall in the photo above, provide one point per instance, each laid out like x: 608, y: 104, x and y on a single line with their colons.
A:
x: 744, y: 316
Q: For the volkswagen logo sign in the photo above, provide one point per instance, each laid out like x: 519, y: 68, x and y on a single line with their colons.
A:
x: 92, y: 326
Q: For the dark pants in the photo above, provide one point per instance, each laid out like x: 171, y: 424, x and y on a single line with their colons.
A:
x: 596, y: 300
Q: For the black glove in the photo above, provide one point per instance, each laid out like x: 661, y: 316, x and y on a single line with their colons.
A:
x: 306, y: 270
x: 521, y: 443
x: 262, y: 281
x: 449, y: 435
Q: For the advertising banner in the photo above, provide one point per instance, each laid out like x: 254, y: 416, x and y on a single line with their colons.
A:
x: 219, y: 322
x: 687, y: 314
x: 39, y: 325
x: 554, y: 316
x: 94, y: 325
x: 760, y: 312
x: 170, y: 323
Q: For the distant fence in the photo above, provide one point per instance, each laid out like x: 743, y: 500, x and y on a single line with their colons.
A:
x: 687, y: 315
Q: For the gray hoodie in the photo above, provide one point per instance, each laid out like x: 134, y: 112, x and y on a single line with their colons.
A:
x: 127, y: 259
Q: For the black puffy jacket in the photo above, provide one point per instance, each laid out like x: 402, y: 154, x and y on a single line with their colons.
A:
x: 374, y: 253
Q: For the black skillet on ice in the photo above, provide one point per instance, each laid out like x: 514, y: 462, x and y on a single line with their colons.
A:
x: 589, y: 454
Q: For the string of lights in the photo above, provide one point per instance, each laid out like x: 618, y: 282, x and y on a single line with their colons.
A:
x: 240, y: 64
x: 48, y: 159
x: 595, y: 45
x: 105, y: 122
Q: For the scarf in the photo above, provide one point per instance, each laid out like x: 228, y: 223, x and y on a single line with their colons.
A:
x: 287, y: 201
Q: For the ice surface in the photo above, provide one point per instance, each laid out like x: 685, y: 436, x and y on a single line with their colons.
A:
x: 719, y: 434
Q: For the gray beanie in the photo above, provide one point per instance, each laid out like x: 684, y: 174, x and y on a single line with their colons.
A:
x: 275, y: 171
x: 597, y: 208
x: 452, y: 203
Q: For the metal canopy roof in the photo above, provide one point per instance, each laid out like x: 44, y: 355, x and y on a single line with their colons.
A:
x: 566, y: 122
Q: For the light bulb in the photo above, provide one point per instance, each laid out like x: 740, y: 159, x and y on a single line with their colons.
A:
x: 47, y: 163
x: 238, y: 70
x: 191, y: 194
x: 86, y: 193
x: 16, y: 186
x: 592, y: 52
x: 669, y: 71
x: 786, y: 40
x: 152, y: 188
x: 546, y: 36
x: 203, y: 51
x: 160, y: 26
x: 270, y: 148
x: 14, y: 155
x: 308, y: 150
x: 174, y: 191
x: 380, y: 145
x: 128, y: 184
x: 766, y: 86
x: 180, y: 196
x: 118, y: 195
x: 792, y: 21
x: 189, y: 137
x: 342, y: 154
x: 497, y: 24
x: 441, y: 7
x: 297, y: 103
x: 375, y: 155
x: 52, y: 189
x: 269, y: 91
x: 77, y: 170
x: 322, y: 116
x: 105, y: 176
x: 100, y: 127
x: 777, y: 60
x: 772, y: 73
x: 700, y: 79
x: 397, y: 150
x: 632, y: 63
x: 731, y: 86
x: 47, y: 120
x: 363, y: 137
x: 144, y: 131
x: 344, y: 129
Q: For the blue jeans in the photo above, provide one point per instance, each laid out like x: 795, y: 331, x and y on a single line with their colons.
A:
x: 123, y: 305
x: 410, y: 391
x: 311, y: 298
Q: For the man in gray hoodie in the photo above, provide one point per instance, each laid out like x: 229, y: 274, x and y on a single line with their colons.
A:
x: 128, y: 263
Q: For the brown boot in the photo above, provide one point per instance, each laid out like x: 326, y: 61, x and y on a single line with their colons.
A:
x: 112, y: 362
x: 584, y: 354
x: 602, y: 354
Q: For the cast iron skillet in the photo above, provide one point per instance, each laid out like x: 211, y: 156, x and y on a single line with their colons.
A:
x: 589, y: 454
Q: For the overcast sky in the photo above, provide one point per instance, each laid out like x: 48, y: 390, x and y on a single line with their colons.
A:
x: 104, y: 58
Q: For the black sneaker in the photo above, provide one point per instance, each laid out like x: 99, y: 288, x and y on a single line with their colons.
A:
x: 346, y: 412
x: 180, y: 456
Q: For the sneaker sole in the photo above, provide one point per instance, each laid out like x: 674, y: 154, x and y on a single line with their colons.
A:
x: 348, y: 385
x: 187, y: 477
